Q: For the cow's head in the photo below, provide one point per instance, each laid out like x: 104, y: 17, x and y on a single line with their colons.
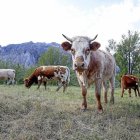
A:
x: 29, y: 81
x: 80, y: 48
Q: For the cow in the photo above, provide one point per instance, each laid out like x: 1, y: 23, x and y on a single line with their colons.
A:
x: 91, y: 65
x: 8, y: 75
x: 130, y: 82
x: 43, y: 74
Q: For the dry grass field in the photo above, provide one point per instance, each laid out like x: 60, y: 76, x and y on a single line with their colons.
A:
x: 31, y: 114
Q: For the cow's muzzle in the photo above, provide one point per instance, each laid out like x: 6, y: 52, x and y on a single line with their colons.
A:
x: 79, y: 64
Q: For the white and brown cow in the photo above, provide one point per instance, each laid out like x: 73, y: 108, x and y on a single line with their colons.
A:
x: 44, y: 73
x: 91, y: 65
x: 8, y: 75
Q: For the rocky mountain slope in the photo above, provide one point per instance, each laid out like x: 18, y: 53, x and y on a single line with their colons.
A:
x: 26, y: 54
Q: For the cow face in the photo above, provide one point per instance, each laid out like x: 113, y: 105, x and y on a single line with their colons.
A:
x: 26, y: 83
x: 80, y: 48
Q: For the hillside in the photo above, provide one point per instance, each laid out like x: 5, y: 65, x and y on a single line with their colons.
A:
x: 26, y: 54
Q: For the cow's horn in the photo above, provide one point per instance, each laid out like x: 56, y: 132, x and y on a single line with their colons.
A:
x: 69, y: 39
x: 94, y: 38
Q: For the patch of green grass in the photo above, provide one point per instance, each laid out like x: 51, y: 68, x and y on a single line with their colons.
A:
x: 31, y: 114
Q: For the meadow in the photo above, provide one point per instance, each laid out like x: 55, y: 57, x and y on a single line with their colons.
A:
x: 31, y: 114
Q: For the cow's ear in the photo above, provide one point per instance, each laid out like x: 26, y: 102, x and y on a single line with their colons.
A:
x: 66, y: 46
x: 94, y: 46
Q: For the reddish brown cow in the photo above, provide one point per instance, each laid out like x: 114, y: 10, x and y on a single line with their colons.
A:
x: 91, y: 65
x: 45, y: 73
x: 130, y: 82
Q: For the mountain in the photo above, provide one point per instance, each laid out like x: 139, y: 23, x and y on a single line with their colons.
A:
x: 26, y: 54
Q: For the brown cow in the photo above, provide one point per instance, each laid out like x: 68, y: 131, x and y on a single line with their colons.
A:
x: 45, y: 73
x: 130, y: 82
x: 91, y: 65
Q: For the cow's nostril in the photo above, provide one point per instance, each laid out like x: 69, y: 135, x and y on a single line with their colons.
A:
x: 82, y: 65
x: 75, y: 65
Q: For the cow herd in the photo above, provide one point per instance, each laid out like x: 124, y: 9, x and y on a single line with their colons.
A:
x: 90, y: 64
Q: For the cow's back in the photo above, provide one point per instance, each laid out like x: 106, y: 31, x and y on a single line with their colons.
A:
x: 102, y: 65
x: 128, y: 81
x: 5, y: 73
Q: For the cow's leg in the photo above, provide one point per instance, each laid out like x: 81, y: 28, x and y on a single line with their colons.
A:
x: 129, y: 90
x: 64, y: 87
x: 39, y: 83
x: 9, y: 80
x: 13, y: 81
x: 138, y: 91
x: 84, y: 102
x: 135, y: 90
x: 59, y: 85
x: 45, y: 83
x: 105, y: 91
x: 122, y: 92
x: 112, y: 87
x: 98, y: 95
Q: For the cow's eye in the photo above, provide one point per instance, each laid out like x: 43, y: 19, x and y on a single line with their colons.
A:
x: 87, y: 51
x: 72, y: 51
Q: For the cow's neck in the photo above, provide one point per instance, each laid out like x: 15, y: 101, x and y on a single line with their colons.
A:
x: 93, y: 65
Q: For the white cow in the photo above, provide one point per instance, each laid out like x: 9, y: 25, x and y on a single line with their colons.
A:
x: 8, y: 75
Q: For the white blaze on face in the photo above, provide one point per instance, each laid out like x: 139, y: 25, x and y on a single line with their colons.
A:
x: 80, y: 47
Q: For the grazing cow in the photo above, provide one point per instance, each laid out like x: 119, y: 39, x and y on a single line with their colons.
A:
x: 91, y: 65
x: 8, y: 75
x: 45, y: 73
x: 130, y: 82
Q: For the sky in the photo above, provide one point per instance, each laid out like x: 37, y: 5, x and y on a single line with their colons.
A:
x: 46, y: 20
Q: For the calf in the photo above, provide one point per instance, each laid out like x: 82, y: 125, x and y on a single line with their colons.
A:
x: 130, y: 82
x: 8, y: 75
x: 45, y: 73
x: 91, y: 65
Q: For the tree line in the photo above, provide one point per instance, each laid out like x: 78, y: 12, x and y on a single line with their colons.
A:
x: 127, y: 53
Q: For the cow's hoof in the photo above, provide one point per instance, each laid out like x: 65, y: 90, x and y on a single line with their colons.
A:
x: 105, y: 102
x: 112, y: 101
x: 83, y: 110
x: 100, y: 111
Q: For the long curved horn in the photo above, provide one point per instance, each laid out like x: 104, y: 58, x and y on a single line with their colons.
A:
x: 69, y: 39
x: 93, y: 38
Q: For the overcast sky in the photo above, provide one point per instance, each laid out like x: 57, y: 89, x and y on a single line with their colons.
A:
x: 45, y: 20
